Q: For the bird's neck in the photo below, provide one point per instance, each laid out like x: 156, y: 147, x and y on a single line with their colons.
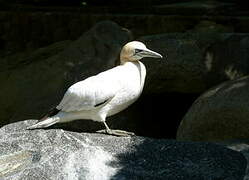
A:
x: 122, y: 62
x: 136, y: 64
x: 140, y: 68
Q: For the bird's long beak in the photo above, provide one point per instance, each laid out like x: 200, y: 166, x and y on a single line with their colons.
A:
x: 149, y: 53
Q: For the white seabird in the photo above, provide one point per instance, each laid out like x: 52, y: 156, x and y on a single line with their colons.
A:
x: 104, y: 94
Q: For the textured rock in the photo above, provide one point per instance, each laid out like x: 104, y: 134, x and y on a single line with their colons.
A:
x: 240, y: 146
x: 194, y: 62
x: 58, y: 154
x: 31, y: 84
x: 219, y: 114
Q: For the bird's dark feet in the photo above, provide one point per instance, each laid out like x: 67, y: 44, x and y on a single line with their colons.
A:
x: 116, y: 132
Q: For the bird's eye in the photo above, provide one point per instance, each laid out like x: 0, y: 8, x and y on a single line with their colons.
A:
x: 138, y: 51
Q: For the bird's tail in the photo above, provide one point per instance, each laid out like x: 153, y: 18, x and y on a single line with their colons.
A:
x: 45, y: 123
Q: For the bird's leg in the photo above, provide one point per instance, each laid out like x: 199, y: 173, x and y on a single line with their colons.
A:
x: 115, y: 132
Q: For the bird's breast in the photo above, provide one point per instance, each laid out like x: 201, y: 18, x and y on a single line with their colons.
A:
x: 131, y: 83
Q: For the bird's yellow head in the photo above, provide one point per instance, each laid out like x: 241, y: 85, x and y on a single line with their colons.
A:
x: 135, y: 50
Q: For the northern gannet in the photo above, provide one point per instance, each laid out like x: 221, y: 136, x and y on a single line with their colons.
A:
x: 104, y: 94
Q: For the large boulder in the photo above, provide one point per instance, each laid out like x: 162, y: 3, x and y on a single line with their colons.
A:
x: 194, y: 62
x: 32, y: 83
x: 219, y: 114
x: 58, y: 154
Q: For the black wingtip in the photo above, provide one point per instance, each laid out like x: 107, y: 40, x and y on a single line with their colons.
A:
x: 50, y: 113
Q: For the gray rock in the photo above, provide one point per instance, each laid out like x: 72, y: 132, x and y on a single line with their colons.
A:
x: 32, y: 84
x: 219, y: 114
x: 57, y: 154
x: 240, y: 146
x: 195, y: 62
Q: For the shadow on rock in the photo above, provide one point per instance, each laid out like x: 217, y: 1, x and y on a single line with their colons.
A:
x: 165, y: 159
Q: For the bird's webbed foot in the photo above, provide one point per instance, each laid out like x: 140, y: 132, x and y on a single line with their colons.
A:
x: 116, y: 132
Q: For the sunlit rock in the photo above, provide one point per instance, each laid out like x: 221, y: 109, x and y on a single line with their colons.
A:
x: 59, y: 154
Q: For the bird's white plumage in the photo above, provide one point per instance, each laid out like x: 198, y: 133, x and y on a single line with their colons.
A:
x: 117, y: 87
x: 85, y: 95
x: 106, y: 93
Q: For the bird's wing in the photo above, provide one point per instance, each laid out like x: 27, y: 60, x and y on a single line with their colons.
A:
x: 87, y: 94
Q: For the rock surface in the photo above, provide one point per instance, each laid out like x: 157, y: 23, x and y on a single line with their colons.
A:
x: 240, y: 146
x: 219, y: 114
x: 58, y: 154
x: 194, y: 62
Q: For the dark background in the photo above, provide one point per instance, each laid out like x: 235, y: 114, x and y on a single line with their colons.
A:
x: 27, y: 25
